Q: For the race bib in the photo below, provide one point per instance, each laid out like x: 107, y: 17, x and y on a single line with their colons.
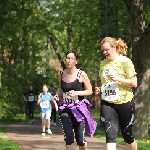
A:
x: 31, y: 98
x: 110, y: 91
x: 45, y: 104
x: 69, y: 99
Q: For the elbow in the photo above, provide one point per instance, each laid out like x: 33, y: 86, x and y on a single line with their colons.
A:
x: 90, y: 92
x: 134, y: 82
x: 134, y: 85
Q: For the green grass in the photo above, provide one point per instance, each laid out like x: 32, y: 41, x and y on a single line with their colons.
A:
x: 16, y: 119
x: 7, y: 144
x: 142, y: 145
x: 95, y: 111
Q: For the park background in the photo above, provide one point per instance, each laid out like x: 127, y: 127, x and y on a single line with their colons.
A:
x: 36, y: 34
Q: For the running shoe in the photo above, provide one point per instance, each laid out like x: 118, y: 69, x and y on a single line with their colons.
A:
x: 54, y: 123
x: 49, y: 131
x: 43, y: 134
x: 30, y: 121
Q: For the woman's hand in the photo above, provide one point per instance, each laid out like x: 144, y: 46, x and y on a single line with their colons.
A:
x: 38, y: 101
x: 115, y: 76
x: 97, y: 90
x: 56, y: 98
x: 72, y: 93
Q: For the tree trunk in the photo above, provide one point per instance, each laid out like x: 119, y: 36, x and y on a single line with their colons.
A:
x: 69, y: 33
x: 53, y: 42
x: 142, y: 93
x: 140, y: 53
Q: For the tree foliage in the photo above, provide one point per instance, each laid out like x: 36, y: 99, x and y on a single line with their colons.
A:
x: 35, y: 34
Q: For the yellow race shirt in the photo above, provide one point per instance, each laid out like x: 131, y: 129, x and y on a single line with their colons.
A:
x: 125, y: 68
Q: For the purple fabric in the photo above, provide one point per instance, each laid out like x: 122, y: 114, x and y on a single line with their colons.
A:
x: 81, y: 112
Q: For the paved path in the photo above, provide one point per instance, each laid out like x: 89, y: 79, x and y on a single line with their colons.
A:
x: 28, y: 137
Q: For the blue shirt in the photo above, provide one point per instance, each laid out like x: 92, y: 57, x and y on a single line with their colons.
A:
x: 46, y: 98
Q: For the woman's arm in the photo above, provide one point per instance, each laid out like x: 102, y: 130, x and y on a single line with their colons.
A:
x: 132, y: 82
x: 129, y: 82
x: 59, y: 92
x: 39, y: 98
x: 56, y: 106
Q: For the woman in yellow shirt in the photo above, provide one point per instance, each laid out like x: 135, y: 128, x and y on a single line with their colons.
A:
x: 118, y: 76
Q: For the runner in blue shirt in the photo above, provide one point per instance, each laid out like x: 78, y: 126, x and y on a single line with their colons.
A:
x: 44, y: 100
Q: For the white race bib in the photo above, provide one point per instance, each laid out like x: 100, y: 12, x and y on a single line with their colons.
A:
x: 110, y: 91
x: 31, y: 98
x: 69, y: 99
x: 45, y: 104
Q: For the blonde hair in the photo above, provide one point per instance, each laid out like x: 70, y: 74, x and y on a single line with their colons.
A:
x: 121, y: 46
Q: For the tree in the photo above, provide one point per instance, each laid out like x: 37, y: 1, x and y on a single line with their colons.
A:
x: 140, y: 33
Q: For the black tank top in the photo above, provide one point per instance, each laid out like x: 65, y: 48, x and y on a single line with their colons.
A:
x: 75, y: 85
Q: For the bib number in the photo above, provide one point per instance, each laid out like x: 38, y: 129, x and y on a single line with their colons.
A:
x: 110, y: 91
x: 69, y: 99
x: 44, y: 104
x: 31, y: 98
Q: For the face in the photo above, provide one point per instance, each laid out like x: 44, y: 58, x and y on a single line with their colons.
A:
x: 71, y: 60
x: 31, y: 88
x: 45, y: 89
x: 108, y: 51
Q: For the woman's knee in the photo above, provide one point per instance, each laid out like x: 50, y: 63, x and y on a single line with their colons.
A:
x: 69, y: 139
x: 81, y: 142
x: 128, y: 138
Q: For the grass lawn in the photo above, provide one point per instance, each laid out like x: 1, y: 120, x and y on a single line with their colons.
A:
x: 142, y: 145
x: 7, y: 144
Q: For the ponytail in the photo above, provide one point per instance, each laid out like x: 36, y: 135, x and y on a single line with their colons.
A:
x: 79, y: 67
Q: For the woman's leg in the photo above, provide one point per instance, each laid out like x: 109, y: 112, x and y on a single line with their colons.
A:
x: 109, y: 118
x: 32, y: 111
x: 43, y: 118
x: 66, y: 125
x: 79, y: 131
x: 48, y: 115
x: 126, y: 114
x: 29, y: 110
x: 54, y: 111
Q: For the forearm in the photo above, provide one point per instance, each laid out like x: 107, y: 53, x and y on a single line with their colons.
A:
x: 128, y: 82
x: 85, y: 92
x: 38, y: 101
x: 59, y: 92
x: 56, y: 106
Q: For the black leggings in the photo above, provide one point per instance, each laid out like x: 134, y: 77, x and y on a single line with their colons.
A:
x: 68, y: 122
x: 112, y: 114
x: 53, y: 115
x: 31, y: 109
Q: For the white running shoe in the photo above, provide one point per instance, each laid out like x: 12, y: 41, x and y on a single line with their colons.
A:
x: 30, y: 121
x: 43, y: 134
x: 54, y: 123
x: 49, y: 131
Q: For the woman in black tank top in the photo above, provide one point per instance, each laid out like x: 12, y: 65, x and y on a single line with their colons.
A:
x: 74, y: 113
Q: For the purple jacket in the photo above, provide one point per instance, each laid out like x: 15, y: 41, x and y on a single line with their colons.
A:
x: 81, y: 112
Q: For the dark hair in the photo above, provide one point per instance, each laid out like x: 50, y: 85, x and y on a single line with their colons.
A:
x: 74, y: 52
x: 76, y: 55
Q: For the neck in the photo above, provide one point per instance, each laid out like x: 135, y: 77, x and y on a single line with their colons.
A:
x: 114, y: 57
x: 71, y: 70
